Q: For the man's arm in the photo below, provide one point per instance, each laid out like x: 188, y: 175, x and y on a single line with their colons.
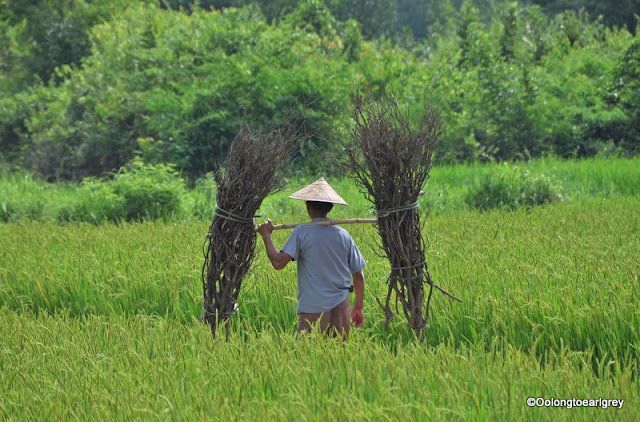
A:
x: 357, y: 316
x: 278, y: 259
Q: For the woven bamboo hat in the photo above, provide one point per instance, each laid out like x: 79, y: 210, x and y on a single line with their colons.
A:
x: 319, y: 191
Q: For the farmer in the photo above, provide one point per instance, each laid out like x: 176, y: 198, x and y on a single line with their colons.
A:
x: 328, y: 259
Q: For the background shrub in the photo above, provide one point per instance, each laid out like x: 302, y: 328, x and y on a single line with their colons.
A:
x: 94, y: 201
x: 138, y: 191
x: 22, y: 196
x: 148, y: 191
x: 200, y: 202
x: 511, y: 186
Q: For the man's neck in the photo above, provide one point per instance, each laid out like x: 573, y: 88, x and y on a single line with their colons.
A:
x: 313, y: 215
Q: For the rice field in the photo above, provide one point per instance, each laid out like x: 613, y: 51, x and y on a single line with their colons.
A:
x: 100, y: 321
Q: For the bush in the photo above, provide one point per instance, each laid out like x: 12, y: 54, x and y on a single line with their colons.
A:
x: 510, y: 188
x: 21, y: 197
x: 148, y: 191
x: 94, y: 201
x: 138, y: 191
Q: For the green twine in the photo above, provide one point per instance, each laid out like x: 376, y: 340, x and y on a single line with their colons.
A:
x: 384, y: 213
x: 406, y: 268
x: 232, y: 217
x: 411, y: 266
x: 210, y: 311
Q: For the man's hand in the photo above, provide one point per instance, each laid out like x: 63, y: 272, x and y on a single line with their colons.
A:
x: 357, y: 317
x: 266, y: 228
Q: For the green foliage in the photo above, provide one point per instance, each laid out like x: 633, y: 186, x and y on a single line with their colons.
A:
x: 509, y: 21
x: 518, y: 88
x: 137, y: 192
x: 352, y: 40
x: 376, y: 17
x: 615, y: 13
x: 314, y: 17
x: 21, y: 197
x: 175, y: 86
x: 184, y: 84
x: 13, y: 116
x: 578, y: 27
x: 626, y: 93
x: 42, y: 35
x: 473, y: 42
x: 511, y: 187
x: 149, y: 191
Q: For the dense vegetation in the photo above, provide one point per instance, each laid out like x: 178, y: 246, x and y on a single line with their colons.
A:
x: 86, y: 87
x: 142, y: 192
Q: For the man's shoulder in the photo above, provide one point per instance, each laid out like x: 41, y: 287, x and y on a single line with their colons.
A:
x: 344, y: 234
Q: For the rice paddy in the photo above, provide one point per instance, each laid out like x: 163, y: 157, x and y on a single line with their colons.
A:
x: 101, y: 321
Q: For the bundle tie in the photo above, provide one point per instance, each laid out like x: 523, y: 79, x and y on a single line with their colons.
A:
x: 410, y: 266
x: 209, y: 310
x: 406, y: 268
x: 384, y: 213
x: 232, y: 217
x: 406, y: 278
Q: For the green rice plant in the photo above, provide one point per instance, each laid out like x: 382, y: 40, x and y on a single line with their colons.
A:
x: 538, y: 278
x: 511, y: 186
x: 140, y: 367
x: 100, y: 321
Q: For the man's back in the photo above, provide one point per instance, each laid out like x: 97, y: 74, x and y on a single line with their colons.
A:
x: 326, y: 258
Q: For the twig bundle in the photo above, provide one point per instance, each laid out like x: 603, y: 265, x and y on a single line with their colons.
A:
x: 390, y: 162
x: 249, y: 174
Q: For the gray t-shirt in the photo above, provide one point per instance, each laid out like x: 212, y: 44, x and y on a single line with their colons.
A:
x: 326, y: 256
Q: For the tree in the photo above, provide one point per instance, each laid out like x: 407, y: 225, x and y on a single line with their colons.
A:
x: 626, y: 93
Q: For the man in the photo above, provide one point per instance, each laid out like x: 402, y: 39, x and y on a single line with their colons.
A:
x: 328, y: 259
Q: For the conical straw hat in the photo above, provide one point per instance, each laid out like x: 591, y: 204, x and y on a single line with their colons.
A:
x: 319, y: 191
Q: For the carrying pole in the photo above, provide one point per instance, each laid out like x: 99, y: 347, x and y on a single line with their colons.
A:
x: 327, y: 223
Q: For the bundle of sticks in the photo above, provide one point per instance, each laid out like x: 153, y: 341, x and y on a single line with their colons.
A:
x: 248, y: 176
x: 390, y: 161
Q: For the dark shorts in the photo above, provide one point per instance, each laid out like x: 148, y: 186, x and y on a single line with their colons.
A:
x: 335, y: 322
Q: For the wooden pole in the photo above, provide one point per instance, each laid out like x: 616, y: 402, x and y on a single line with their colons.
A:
x: 327, y: 223
x: 322, y: 223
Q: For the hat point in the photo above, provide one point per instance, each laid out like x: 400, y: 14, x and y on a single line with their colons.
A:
x: 319, y: 191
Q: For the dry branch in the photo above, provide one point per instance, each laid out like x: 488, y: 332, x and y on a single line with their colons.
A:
x: 249, y: 174
x: 390, y: 161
